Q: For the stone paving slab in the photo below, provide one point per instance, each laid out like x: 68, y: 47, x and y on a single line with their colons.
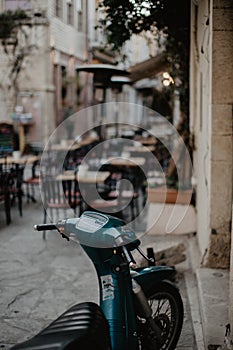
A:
x: 213, y: 287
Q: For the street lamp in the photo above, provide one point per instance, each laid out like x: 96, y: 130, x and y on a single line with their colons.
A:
x: 117, y: 83
x: 102, y: 74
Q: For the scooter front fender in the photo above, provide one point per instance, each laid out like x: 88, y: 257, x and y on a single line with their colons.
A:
x: 149, y: 277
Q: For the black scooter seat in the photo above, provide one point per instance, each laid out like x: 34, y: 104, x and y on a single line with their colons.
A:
x: 82, y: 327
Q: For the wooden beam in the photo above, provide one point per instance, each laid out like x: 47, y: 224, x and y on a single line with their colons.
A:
x: 148, y: 68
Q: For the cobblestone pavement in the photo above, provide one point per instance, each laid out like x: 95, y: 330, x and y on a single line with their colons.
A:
x: 40, y: 279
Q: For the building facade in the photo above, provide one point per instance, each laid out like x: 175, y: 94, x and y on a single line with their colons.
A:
x: 47, y: 83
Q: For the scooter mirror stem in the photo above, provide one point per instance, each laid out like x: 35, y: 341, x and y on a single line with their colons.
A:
x: 119, y: 241
x: 129, y: 257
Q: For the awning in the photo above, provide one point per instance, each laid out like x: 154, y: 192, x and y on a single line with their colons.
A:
x: 103, y: 57
x: 148, y: 68
x: 102, y: 72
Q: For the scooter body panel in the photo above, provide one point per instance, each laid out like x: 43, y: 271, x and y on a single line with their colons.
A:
x: 116, y: 299
x: 149, y: 277
x: 83, y: 326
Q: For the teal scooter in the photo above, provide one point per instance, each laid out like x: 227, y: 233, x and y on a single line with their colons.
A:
x: 139, y: 309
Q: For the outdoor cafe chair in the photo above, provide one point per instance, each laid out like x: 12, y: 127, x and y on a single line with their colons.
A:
x: 15, y: 184
x: 33, y: 181
x: 122, y: 201
x: 59, y: 196
x: 5, y: 194
x: 117, y: 203
x: 130, y: 196
x: 115, y: 189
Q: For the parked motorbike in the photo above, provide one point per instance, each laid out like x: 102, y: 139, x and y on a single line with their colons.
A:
x: 139, y: 308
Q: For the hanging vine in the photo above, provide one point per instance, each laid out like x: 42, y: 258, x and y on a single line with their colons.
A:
x: 16, y: 44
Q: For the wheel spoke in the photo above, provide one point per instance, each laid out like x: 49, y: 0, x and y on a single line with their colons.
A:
x: 167, y: 310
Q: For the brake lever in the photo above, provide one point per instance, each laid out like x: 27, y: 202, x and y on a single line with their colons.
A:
x: 64, y: 236
x: 150, y: 260
x: 61, y: 229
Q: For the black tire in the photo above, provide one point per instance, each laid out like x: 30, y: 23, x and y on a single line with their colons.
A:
x: 168, y: 313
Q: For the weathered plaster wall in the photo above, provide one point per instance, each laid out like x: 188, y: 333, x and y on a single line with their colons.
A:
x: 55, y: 43
x: 221, y: 134
x: 231, y: 285
x: 211, y: 124
x: 200, y: 115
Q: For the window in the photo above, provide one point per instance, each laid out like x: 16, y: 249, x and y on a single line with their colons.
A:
x: 63, y: 82
x: 17, y: 4
x: 80, y: 15
x: 79, y: 5
x: 58, y: 8
x: 70, y: 12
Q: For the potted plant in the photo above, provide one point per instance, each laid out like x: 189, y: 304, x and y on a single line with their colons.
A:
x: 169, y: 193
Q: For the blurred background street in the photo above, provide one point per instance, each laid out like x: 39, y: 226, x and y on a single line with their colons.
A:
x: 126, y: 104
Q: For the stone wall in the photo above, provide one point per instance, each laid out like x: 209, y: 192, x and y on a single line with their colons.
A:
x: 231, y: 286
x: 221, y: 135
x: 211, y: 121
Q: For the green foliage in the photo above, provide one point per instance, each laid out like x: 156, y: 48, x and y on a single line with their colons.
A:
x: 10, y: 20
x: 127, y: 17
x: 123, y: 18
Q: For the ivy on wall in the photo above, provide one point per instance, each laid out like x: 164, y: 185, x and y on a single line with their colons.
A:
x: 10, y: 22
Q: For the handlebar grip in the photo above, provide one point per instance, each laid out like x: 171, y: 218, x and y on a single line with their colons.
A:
x: 45, y: 227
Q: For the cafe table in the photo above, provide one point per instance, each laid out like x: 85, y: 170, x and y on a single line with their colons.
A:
x: 147, y: 140
x: 139, y: 149
x: 87, y: 179
x: 73, y: 146
x: 126, y: 167
x: 130, y: 168
x: 29, y: 159
x: 122, y: 162
x: 64, y: 147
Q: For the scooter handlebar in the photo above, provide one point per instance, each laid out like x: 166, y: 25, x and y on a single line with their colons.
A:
x: 45, y: 227
x: 94, y: 229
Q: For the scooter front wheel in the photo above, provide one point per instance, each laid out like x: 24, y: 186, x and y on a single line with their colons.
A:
x: 167, y: 312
